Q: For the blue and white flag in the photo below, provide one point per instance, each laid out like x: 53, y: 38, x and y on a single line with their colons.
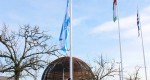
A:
x: 64, y: 34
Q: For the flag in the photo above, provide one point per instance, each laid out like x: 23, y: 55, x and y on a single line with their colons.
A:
x: 102, y: 61
x: 114, y: 10
x: 64, y: 34
x: 138, y: 23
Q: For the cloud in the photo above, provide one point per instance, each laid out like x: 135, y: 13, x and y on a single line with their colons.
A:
x: 106, y: 27
x: 110, y: 26
x: 78, y: 21
x: 128, y: 25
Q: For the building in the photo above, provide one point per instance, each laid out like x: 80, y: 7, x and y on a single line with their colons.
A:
x: 4, y: 78
x: 59, y: 70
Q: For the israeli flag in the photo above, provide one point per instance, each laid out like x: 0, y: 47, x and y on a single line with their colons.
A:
x: 64, y: 34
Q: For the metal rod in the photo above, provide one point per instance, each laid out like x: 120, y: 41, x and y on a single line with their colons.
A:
x: 63, y: 74
x: 120, y: 42
x: 143, y: 52
x: 71, y: 66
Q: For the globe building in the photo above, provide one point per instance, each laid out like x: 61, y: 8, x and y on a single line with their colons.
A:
x: 59, y: 70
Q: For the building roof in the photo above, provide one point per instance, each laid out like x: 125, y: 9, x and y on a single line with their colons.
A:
x: 60, y: 66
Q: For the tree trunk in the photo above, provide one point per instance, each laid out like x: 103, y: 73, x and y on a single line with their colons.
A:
x: 17, y: 75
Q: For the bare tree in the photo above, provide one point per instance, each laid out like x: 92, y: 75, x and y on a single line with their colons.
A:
x: 104, y: 69
x: 23, y: 52
x: 135, y: 75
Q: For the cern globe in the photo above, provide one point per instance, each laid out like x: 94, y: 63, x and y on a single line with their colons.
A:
x: 59, y: 70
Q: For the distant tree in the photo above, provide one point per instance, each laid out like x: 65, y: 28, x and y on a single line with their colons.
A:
x: 135, y: 75
x: 23, y: 52
x: 103, y: 69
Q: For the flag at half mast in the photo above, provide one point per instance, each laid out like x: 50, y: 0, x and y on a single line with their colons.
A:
x: 114, y: 10
x: 138, y: 22
x: 64, y: 34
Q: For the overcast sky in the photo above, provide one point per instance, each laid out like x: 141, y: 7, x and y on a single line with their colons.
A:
x: 94, y: 32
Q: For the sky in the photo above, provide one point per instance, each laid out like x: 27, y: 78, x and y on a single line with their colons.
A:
x: 94, y: 32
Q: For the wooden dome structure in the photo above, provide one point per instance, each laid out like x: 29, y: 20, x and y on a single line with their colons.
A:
x: 59, y: 70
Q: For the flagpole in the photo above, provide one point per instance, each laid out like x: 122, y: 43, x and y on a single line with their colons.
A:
x: 143, y: 52
x: 119, y: 72
x: 140, y: 28
x: 71, y: 67
x: 120, y: 43
x: 144, y: 55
